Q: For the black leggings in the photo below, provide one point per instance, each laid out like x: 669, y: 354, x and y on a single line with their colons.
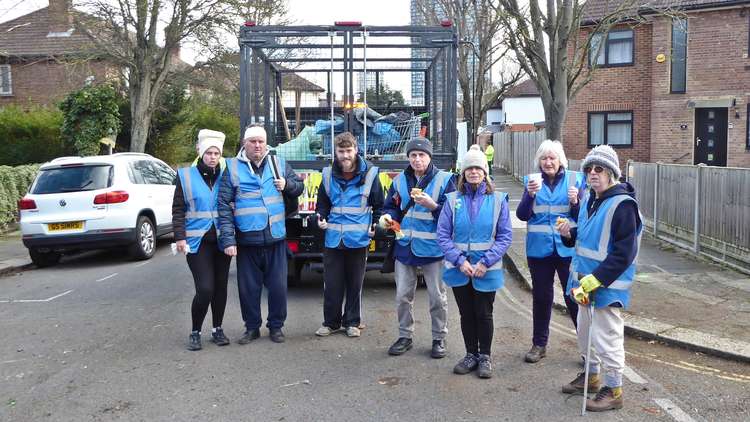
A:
x: 210, y: 268
x: 475, y: 309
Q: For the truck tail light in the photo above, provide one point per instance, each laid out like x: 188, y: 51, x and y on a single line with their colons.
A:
x: 26, y: 204
x: 114, y: 197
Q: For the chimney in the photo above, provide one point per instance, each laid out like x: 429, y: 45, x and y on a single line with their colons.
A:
x: 60, y: 22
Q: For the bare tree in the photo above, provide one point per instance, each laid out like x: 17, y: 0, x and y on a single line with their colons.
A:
x: 553, y: 48
x: 479, y: 27
x: 143, y: 38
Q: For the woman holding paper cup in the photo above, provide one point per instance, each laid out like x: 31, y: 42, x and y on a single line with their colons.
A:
x: 194, y: 222
x: 550, y: 195
x: 474, y: 232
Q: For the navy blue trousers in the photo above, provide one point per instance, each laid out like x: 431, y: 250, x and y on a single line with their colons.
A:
x: 543, y: 293
x: 259, y: 266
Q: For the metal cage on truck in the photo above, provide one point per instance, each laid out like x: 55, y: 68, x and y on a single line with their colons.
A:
x: 347, y: 56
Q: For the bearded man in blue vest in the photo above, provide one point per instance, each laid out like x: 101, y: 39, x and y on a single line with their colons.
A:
x: 252, y: 228
x: 606, y: 240
x: 415, y: 199
x: 350, y: 201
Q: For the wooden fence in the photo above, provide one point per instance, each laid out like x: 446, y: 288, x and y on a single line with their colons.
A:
x: 700, y: 208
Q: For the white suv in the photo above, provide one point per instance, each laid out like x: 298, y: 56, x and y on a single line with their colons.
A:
x: 78, y: 203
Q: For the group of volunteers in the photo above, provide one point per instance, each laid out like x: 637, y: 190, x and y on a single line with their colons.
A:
x: 454, y: 230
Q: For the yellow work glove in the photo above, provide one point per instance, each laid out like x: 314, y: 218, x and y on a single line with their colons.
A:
x: 581, y: 297
x: 589, y: 283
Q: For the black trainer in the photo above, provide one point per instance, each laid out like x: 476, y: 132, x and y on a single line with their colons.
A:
x: 485, y: 366
x: 218, y: 337
x: 194, y: 342
x: 249, y: 336
x: 401, y: 346
x: 277, y: 336
x: 438, y: 349
x: 466, y: 365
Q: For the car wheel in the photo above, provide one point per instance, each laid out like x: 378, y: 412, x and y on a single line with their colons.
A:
x: 145, y: 239
x: 44, y: 259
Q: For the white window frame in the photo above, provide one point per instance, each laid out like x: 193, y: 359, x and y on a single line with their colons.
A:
x: 9, y: 89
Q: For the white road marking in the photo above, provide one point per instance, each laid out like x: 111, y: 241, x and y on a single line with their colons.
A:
x: 142, y: 264
x: 632, y: 376
x: 49, y: 299
x: 629, y: 373
x: 107, y: 277
x: 674, y: 411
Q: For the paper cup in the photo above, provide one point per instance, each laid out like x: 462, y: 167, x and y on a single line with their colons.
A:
x: 535, y: 177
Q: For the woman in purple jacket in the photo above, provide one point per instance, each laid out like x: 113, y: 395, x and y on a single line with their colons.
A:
x: 474, y: 232
x: 554, y: 196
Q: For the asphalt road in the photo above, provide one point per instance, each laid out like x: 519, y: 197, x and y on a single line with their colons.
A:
x: 101, y: 338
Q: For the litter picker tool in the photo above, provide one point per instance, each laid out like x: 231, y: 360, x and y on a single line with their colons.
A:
x: 588, y: 356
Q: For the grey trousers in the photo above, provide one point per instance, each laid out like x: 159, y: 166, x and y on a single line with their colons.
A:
x: 406, y: 287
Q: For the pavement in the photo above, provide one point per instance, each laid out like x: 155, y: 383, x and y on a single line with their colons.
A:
x: 100, y: 337
x: 13, y: 255
x: 678, y: 298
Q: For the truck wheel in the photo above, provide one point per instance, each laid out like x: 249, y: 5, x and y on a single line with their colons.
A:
x: 294, y: 272
x: 44, y: 259
x: 144, y: 246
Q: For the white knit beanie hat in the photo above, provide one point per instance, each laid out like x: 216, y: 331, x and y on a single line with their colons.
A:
x: 255, y: 132
x: 208, y: 138
x: 474, y: 157
x: 605, y: 156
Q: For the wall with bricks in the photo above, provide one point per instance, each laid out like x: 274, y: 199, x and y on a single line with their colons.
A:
x: 46, y: 82
x: 717, y: 69
x: 622, y: 88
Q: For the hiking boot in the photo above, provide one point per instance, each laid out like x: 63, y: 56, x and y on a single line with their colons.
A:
x: 277, y: 336
x: 535, y: 354
x: 466, y: 365
x: 249, y: 336
x: 484, y: 370
x: 576, y: 386
x: 325, y: 331
x: 438, y: 349
x: 218, y: 338
x: 606, y: 399
x: 194, y: 341
x: 352, y: 332
x: 401, y: 346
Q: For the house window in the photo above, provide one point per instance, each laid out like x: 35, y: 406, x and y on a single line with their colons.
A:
x: 747, y: 129
x: 679, y: 56
x: 6, y: 87
x: 617, y: 50
x: 611, y: 128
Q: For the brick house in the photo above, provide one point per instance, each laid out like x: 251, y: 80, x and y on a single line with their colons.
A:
x: 42, y: 57
x: 675, y: 89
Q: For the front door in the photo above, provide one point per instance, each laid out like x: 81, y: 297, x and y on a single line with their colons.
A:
x: 711, y: 136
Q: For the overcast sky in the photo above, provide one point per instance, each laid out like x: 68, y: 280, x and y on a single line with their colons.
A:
x: 311, y: 12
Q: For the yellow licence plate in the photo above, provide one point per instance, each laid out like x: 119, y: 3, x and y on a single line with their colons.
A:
x: 69, y: 225
x: 372, y: 246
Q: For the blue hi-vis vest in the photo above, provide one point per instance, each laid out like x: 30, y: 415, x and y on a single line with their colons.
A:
x: 474, y: 238
x: 593, y: 244
x: 257, y: 203
x: 350, y: 217
x: 541, y: 238
x: 418, y: 225
x: 201, y: 202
